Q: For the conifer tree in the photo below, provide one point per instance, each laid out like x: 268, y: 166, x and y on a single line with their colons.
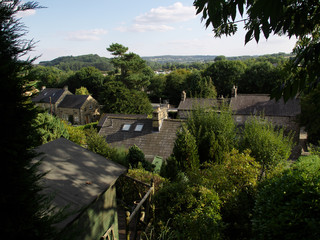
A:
x: 23, y: 209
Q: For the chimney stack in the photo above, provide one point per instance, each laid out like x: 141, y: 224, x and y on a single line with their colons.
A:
x: 158, y: 116
x: 183, y: 96
x: 234, y: 91
x: 65, y: 88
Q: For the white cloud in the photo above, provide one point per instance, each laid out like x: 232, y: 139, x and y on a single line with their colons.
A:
x: 145, y: 28
x: 86, y: 35
x: 174, y: 13
x: 26, y: 13
x: 158, y: 19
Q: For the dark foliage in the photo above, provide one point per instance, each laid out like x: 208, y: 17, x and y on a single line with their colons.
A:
x: 24, y: 210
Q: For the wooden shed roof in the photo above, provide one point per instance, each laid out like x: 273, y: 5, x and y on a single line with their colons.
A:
x: 76, y: 176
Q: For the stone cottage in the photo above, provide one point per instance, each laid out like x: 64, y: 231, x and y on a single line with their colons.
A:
x: 79, y: 109
x: 82, y: 183
x: 48, y: 99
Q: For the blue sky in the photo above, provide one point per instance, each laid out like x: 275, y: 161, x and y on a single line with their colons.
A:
x: 146, y: 27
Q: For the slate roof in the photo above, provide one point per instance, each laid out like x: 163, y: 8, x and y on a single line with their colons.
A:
x: 247, y: 104
x: 190, y: 103
x: 118, y: 115
x: 75, y: 175
x: 73, y: 101
x: 152, y: 143
x: 44, y: 95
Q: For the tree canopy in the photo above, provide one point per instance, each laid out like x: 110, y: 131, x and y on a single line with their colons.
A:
x: 291, y: 18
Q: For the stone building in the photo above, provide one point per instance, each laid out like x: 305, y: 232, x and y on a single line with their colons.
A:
x: 49, y: 98
x: 79, y: 109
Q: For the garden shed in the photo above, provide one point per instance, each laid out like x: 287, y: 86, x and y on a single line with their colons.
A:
x: 84, y: 182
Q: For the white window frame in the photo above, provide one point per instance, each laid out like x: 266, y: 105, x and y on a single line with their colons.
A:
x: 126, y: 127
x: 138, y: 127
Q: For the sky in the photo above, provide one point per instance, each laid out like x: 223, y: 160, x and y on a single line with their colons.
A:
x: 146, y: 27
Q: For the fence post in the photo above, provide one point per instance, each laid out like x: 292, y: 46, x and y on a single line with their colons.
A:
x: 127, y: 225
x: 151, y: 200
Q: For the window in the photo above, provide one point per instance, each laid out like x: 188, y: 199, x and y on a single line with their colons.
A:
x: 138, y: 127
x: 126, y: 127
x: 239, y: 119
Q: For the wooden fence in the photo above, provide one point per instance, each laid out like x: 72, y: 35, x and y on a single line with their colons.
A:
x: 142, y: 214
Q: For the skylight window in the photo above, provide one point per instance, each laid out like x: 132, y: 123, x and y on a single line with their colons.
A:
x: 138, y: 127
x: 126, y: 127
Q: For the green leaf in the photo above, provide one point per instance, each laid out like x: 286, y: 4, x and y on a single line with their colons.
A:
x: 240, y: 8
x: 257, y: 33
x: 248, y: 36
x: 266, y: 30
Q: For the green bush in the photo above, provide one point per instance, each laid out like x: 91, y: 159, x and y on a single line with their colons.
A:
x: 287, y: 206
x: 185, y: 150
x: 193, y: 209
x: 49, y: 128
x: 214, y: 133
x: 76, y: 134
x: 135, y: 155
x: 268, y: 146
x: 234, y: 180
x: 97, y: 143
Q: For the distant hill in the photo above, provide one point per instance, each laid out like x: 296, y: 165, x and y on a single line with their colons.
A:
x: 76, y: 63
x: 180, y: 59
x: 205, y: 58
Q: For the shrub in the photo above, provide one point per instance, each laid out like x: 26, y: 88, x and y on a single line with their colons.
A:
x: 268, y: 146
x: 193, y: 210
x: 287, y: 205
x: 215, y: 133
x: 185, y: 150
x: 76, y: 134
x: 49, y: 128
x: 234, y: 180
x: 97, y: 143
x: 135, y: 155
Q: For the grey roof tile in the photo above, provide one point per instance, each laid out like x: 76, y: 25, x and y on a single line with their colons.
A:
x: 247, y: 104
x: 73, y: 101
x: 152, y: 143
x: 45, y: 95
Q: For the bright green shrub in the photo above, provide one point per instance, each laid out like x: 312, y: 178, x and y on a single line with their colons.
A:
x: 76, y: 134
x: 288, y: 205
x: 49, y: 128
